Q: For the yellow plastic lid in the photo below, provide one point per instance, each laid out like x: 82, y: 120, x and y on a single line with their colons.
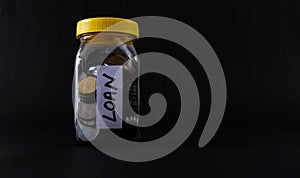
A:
x: 100, y: 24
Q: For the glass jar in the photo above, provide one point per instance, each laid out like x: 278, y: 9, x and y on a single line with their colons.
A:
x: 106, y: 70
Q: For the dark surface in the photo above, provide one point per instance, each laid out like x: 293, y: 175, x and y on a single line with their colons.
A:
x: 256, y: 41
x: 54, y: 155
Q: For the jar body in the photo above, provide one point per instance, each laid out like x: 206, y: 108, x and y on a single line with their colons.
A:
x: 99, y: 58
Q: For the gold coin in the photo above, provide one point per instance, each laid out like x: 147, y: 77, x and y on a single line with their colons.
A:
x: 87, y: 85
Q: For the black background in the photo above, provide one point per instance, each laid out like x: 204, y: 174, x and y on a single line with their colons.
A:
x: 256, y: 42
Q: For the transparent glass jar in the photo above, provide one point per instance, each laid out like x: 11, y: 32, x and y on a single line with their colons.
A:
x: 106, y: 70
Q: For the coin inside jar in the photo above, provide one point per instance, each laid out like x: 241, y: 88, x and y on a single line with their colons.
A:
x: 87, y: 85
x: 86, y: 111
x: 91, y: 123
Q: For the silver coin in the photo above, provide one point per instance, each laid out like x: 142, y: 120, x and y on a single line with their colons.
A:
x: 86, y: 111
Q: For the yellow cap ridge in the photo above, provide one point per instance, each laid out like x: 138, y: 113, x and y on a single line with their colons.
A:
x: 107, y: 24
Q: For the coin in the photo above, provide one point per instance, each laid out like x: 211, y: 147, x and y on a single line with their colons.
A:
x: 87, y: 85
x: 91, y: 123
x: 86, y: 111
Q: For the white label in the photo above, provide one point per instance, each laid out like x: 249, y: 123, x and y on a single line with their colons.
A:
x: 109, y: 97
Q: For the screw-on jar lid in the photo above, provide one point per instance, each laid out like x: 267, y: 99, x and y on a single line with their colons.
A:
x: 107, y: 24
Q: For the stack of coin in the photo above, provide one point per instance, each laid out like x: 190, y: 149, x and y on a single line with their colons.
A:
x: 87, y: 99
x: 87, y: 114
x: 87, y: 87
